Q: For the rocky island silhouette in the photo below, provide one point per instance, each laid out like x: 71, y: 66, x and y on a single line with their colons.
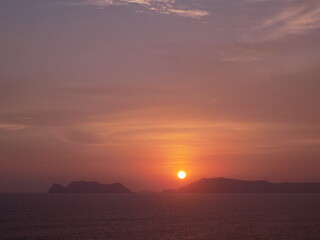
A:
x: 89, y: 187
x: 226, y: 185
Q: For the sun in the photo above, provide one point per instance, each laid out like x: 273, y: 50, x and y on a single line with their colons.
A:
x: 181, y: 174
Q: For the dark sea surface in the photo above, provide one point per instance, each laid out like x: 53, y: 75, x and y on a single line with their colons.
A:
x: 160, y: 216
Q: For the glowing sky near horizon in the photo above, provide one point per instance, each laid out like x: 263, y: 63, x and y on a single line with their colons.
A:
x: 132, y: 91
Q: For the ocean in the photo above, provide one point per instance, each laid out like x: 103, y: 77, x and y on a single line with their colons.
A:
x: 160, y: 216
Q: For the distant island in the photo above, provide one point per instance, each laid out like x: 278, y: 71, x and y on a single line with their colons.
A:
x: 89, y: 187
x: 225, y: 185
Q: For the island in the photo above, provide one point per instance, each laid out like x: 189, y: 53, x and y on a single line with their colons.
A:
x: 89, y: 187
x: 226, y: 185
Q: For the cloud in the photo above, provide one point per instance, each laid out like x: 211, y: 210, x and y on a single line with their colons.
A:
x: 293, y: 18
x: 245, y: 55
x: 11, y: 126
x: 260, y: 1
x: 189, y: 13
x: 158, y: 6
x: 99, y: 3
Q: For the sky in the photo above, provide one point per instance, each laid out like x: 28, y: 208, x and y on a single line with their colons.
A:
x: 132, y: 91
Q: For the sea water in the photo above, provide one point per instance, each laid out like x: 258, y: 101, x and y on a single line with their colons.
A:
x: 160, y: 216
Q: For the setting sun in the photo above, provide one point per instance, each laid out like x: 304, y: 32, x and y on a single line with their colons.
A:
x: 181, y: 174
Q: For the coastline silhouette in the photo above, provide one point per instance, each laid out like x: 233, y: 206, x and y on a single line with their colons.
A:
x: 204, y: 185
x: 226, y: 185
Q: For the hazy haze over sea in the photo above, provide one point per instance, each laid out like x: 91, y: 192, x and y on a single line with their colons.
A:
x: 159, y: 216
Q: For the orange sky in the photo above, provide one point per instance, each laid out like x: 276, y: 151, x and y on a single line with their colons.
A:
x: 133, y: 91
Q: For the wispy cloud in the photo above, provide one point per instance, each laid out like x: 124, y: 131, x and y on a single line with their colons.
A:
x: 295, y: 18
x: 11, y: 126
x: 188, y: 13
x: 245, y: 55
x: 158, y: 6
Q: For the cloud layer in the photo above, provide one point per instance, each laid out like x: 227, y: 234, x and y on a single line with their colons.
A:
x: 157, y: 6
